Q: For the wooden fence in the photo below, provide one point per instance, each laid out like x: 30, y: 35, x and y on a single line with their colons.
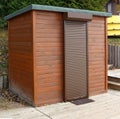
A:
x: 114, y: 55
x: 3, y: 81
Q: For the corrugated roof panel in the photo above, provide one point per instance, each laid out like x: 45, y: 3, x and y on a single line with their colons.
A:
x: 113, y: 26
x: 114, y: 19
x: 114, y: 33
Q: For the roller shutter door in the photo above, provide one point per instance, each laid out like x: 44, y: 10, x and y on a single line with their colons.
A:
x: 75, y: 59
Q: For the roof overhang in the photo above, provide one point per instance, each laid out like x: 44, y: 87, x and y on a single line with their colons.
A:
x: 55, y: 9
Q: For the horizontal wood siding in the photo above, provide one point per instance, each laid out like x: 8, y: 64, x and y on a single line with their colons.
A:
x: 96, y: 56
x: 49, y: 57
x: 36, y: 56
x: 21, y: 56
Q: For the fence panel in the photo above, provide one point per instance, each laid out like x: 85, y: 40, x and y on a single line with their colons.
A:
x: 114, y: 55
x: 3, y: 81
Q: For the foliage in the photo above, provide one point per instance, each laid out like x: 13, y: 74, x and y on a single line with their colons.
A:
x: 114, y: 41
x: 3, y: 53
x: 9, y: 6
x: 97, y: 5
x: 3, y: 12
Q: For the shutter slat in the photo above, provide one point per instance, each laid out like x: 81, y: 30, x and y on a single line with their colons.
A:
x: 75, y: 60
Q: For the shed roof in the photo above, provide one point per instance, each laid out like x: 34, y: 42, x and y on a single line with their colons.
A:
x: 55, y: 9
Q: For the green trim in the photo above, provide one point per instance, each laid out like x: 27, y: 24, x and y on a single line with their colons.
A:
x: 55, y: 9
x: 18, y: 12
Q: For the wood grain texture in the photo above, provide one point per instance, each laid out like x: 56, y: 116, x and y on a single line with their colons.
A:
x: 97, y: 56
x: 21, y: 56
x: 49, y: 57
x: 36, y: 56
x: 106, y: 54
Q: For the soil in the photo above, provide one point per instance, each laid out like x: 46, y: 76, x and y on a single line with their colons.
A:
x: 8, y: 100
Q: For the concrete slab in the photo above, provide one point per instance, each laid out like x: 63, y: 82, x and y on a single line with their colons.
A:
x: 22, y: 113
x: 105, y: 106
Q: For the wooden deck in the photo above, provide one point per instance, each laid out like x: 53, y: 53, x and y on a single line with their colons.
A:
x: 105, y: 106
x: 114, y: 73
x: 114, y: 79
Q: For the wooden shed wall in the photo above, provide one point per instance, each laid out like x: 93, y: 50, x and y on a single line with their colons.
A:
x: 21, y: 55
x: 36, y: 56
x: 97, y: 56
x: 49, y: 57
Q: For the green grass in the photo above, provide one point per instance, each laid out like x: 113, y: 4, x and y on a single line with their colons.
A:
x: 114, y: 41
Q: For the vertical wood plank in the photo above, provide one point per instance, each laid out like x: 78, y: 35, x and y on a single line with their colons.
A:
x: 106, y: 55
x: 9, y: 52
x: 109, y: 54
x: 119, y: 57
x: 114, y: 55
x: 34, y: 53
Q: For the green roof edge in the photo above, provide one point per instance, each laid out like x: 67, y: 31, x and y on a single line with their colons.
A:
x: 55, y: 9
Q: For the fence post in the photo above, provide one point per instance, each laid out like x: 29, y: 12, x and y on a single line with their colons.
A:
x: 116, y: 56
x: 110, y: 53
x: 1, y: 82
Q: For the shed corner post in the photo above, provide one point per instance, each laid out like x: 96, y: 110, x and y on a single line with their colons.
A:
x: 106, y: 56
x: 8, y: 52
x: 34, y: 56
x: 87, y: 56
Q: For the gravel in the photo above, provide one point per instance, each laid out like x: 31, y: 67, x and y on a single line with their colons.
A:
x: 9, y: 100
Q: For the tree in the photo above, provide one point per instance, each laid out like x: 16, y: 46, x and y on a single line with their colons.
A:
x: 3, y: 11
x: 97, y: 5
x: 9, y: 6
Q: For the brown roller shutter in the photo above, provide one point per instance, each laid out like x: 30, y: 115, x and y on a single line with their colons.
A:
x: 75, y: 60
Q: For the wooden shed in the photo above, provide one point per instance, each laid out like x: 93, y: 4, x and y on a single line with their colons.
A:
x: 57, y: 54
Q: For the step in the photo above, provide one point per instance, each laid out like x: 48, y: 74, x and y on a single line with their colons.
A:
x: 114, y: 85
x: 114, y: 79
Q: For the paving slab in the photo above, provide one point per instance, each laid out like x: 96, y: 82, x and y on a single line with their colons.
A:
x: 105, y: 106
x: 22, y: 113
